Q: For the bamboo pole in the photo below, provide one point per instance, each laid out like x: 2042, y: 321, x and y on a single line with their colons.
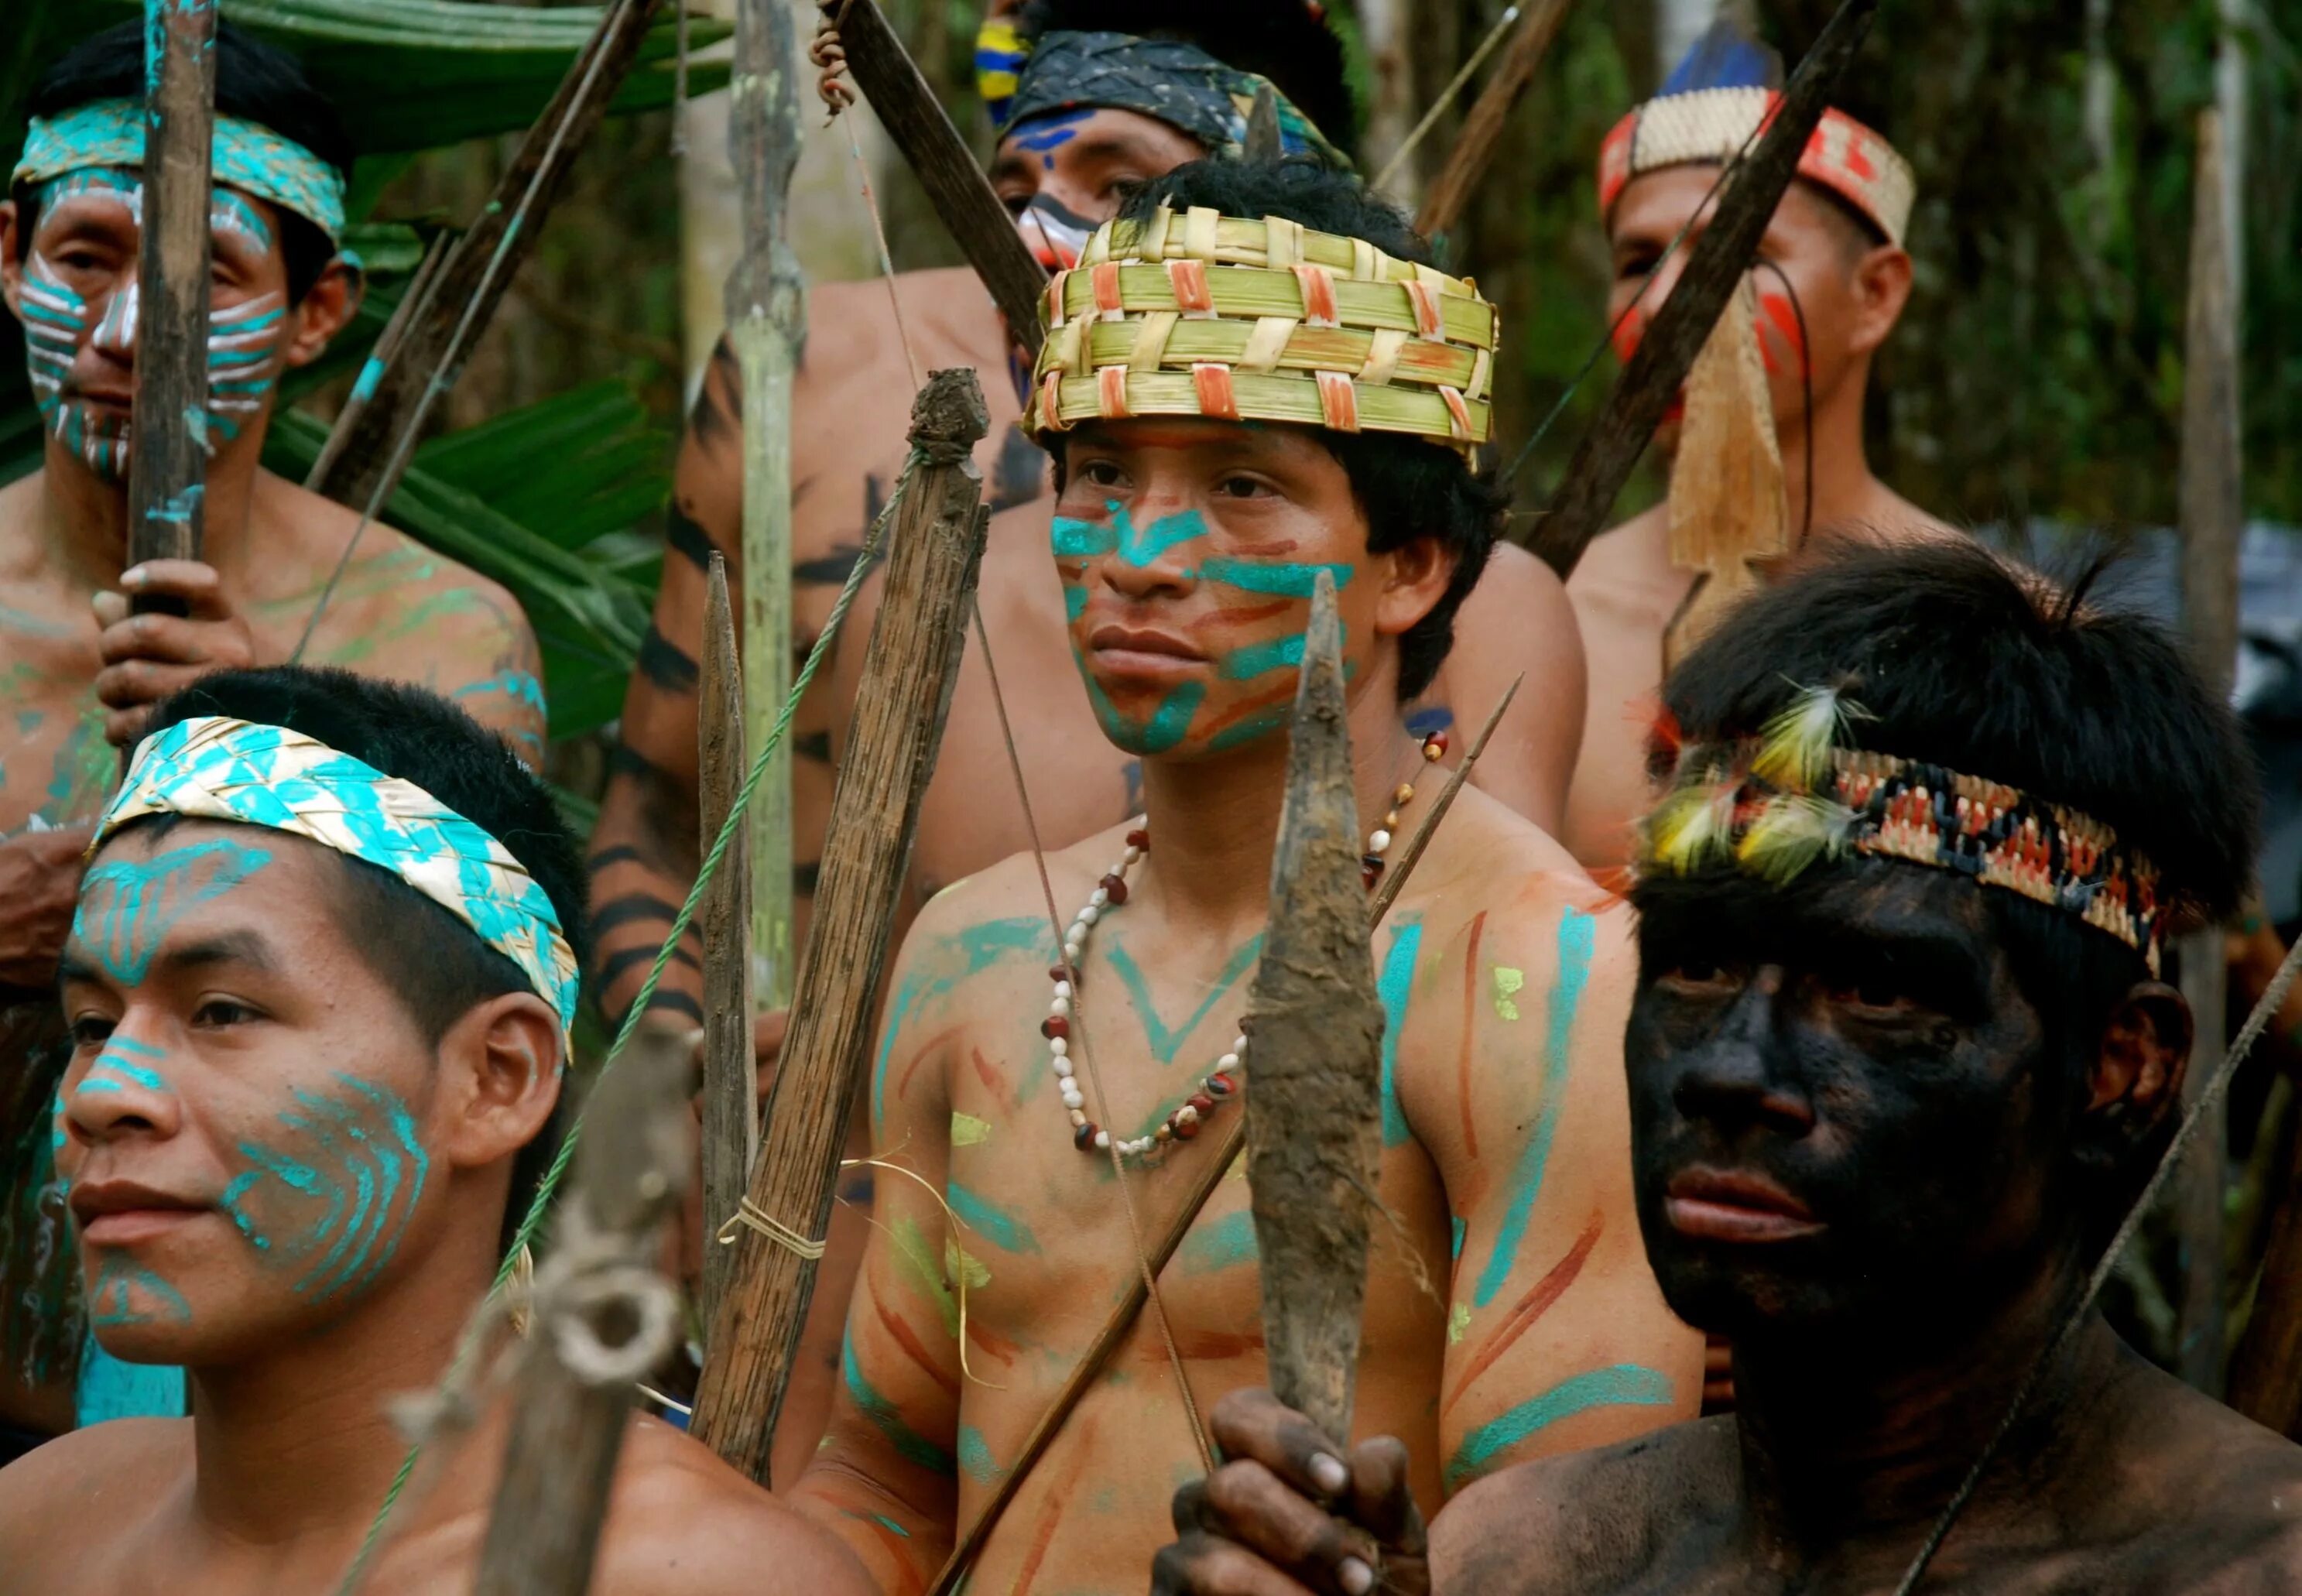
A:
x: 167, y: 466
x: 2212, y: 517
x: 1205, y: 1180
x: 731, y: 1134
x: 935, y: 549
x: 962, y: 197
x: 1482, y: 125
x: 767, y: 318
x: 598, y: 1293
x: 430, y: 355
x: 1313, y: 1120
x: 1715, y: 265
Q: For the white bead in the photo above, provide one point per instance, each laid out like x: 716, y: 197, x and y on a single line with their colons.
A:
x: 1058, y: 1046
x: 1062, y: 1068
x: 1078, y: 1118
x: 1239, y: 1043
x: 1071, y: 1099
x: 1060, y: 1006
x: 1133, y: 853
x: 1379, y: 842
x: 1062, y: 988
x: 1229, y: 1061
x: 1072, y: 950
x: 1087, y: 915
x: 1103, y: 1140
x: 1187, y: 1115
x: 1099, y: 897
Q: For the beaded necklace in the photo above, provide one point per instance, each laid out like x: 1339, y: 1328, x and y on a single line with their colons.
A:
x: 1221, y: 1083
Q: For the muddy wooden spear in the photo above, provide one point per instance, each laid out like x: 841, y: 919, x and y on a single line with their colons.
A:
x: 962, y: 197
x: 935, y: 549
x: 731, y: 1136
x: 1314, y: 1118
x: 603, y: 1317
x: 167, y: 463
x: 1746, y: 203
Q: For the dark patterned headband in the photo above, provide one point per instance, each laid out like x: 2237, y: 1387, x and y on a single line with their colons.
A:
x: 1776, y: 805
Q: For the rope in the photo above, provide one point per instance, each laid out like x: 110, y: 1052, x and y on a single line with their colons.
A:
x: 749, y: 1217
x: 475, y: 1333
x: 2272, y: 999
x: 1446, y: 97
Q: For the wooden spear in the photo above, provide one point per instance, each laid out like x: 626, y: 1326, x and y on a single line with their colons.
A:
x: 429, y: 355
x: 1482, y: 125
x: 1313, y: 1120
x: 2213, y: 517
x: 767, y: 319
x: 955, y: 185
x: 1746, y: 203
x: 935, y: 549
x: 603, y: 1316
x: 731, y: 1136
x: 1263, y: 141
x: 1204, y: 1182
x: 167, y: 465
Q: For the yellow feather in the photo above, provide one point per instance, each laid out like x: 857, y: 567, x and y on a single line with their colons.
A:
x: 1790, y: 833
x: 1693, y: 821
x: 1794, y: 746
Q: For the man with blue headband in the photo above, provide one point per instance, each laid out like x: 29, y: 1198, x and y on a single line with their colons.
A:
x: 77, y: 673
x: 319, y: 987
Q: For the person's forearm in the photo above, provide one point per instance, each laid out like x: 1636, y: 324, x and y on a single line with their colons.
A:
x: 637, y: 886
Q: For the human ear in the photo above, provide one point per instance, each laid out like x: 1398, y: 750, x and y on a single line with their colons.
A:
x: 325, y: 310
x: 12, y: 262
x: 2137, y: 1074
x: 1882, y: 287
x: 1414, y: 578
x: 500, y: 1078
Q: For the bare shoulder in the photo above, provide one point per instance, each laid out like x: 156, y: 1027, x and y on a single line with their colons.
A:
x: 122, y: 1470
x: 1488, y: 859
x: 1630, y: 562
x: 1589, y: 1521
x: 680, y: 1520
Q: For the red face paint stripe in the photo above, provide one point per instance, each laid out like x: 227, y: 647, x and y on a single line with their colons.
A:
x: 1247, y: 617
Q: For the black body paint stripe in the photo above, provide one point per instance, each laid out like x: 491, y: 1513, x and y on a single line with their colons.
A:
x: 829, y: 570
x: 678, y: 1003
x: 804, y: 877
x: 813, y: 745
x: 687, y: 539
x: 632, y: 908
x: 621, y: 853
x: 615, y: 966
x: 663, y: 662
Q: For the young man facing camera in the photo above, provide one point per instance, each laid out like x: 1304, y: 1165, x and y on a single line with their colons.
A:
x: 1900, y: 1057
x: 1832, y: 278
x: 319, y: 992
x: 1210, y: 469
x: 77, y: 672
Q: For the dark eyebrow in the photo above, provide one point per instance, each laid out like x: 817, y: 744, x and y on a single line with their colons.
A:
x: 227, y: 947
x: 1942, y: 960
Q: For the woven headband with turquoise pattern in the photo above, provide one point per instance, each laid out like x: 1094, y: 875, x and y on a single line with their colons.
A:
x: 249, y: 156
x: 214, y: 767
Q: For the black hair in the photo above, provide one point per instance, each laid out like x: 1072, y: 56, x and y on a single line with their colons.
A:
x: 1408, y: 487
x: 254, y: 81
x: 436, y: 964
x: 1959, y: 658
x: 1287, y: 41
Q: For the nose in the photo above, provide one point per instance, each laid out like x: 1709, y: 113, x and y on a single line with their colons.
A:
x: 123, y: 1092
x: 1153, y: 554
x: 1732, y: 1080
x: 116, y: 333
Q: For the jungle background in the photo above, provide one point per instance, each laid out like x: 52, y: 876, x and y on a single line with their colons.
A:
x: 2036, y: 381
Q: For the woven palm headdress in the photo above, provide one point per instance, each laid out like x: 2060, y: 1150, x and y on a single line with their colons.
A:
x: 1261, y: 319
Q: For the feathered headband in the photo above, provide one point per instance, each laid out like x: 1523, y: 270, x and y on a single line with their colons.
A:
x: 1775, y: 806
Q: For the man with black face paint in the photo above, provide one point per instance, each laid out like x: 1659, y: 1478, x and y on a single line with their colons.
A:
x: 1900, y: 1055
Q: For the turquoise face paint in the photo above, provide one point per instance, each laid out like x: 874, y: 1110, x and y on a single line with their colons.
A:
x: 1153, y: 733
x: 1577, y: 940
x: 119, y: 1061
x: 125, y: 1292
x: 994, y: 1223
x: 1073, y: 538
x: 107, y: 1388
x: 128, y: 907
x: 1281, y: 578
x: 331, y: 1196
x: 1623, y: 1385
x: 888, y: 1419
x: 1165, y: 1043
x: 1225, y: 1244
x: 1261, y: 659
x: 1392, y: 988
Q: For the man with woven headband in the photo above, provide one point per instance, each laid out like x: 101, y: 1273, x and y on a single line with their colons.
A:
x: 1253, y: 378
x: 1900, y: 1060
x: 319, y: 988
x: 1829, y: 282
x: 81, y: 673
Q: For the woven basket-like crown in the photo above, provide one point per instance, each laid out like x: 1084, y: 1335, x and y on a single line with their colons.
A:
x: 1242, y: 319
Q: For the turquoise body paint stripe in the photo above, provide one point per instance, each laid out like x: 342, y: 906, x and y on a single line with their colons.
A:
x: 909, y: 1443
x: 1283, y: 579
x: 110, y: 1388
x: 1393, y: 986
x: 886, y: 1522
x: 1073, y: 538
x: 979, y: 946
x: 1160, y: 731
x: 1624, y: 1385
x: 1460, y: 1229
x: 994, y: 1223
x: 1137, y: 546
x: 1074, y: 602
x: 975, y: 1456
x: 1226, y: 1243
x: 1577, y: 938
x: 1261, y: 723
x: 1259, y: 659
x: 1165, y: 1043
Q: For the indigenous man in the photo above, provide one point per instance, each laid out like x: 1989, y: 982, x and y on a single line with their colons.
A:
x: 1832, y: 278
x: 1900, y: 1057
x: 1208, y: 470
x: 319, y: 992
x: 77, y: 672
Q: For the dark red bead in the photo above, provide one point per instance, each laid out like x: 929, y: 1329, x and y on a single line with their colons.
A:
x: 1203, y: 1103
x: 1437, y: 739
x: 1370, y: 870
x: 1054, y: 1026
x: 1186, y: 1129
x: 1139, y: 838
x: 1115, y: 888
x: 1083, y: 1137
x: 1063, y: 973
x: 1221, y: 1085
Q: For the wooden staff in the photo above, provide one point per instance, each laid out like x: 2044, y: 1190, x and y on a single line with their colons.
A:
x: 1208, y: 1176
x: 603, y: 1316
x: 167, y: 464
x: 935, y: 548
x: 1314, y: 1119
x: 1746, y: 203
x: 767, y: 320
x: 1482, y: 125
x: 368, y: 460
x: 731, y: 1134
x: 2214, y: 517
x: 955, y: 185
